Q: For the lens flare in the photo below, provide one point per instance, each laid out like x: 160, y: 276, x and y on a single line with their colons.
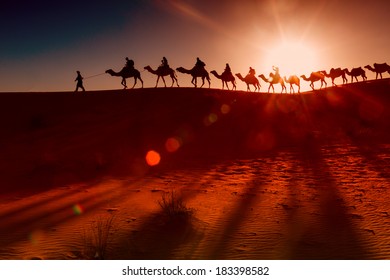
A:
x: 210, y: 119
x: 152, y: 158
x: 172, y: 144
x: 77, y: 209
x: 225, y: 109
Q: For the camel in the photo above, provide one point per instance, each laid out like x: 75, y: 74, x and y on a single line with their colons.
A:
x: 250, y: 80
x: 314, y: 77
x: 127, y: 73
x: 161, y: 72
x: 275, y: 79
x: 356, y: 72
x: 293, y: 80
x: 195, y: 73
x: 379, y: 68
x: 225, y: 77
x: 335, y: 73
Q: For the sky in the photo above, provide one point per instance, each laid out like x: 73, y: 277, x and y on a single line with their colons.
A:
x: 44, y: 43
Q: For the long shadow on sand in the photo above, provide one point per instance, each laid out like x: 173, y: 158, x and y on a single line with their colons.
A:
x: 332, y: 235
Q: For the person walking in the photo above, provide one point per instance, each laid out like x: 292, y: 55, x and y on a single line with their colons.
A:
x: 79, y: 80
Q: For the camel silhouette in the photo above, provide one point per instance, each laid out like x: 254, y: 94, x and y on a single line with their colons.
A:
x: 125, y: 73
x: 196, y: 72
x: 275, y: 79
x: 314, y: 77
x: 379, y: 68
x: 356, y: 72
x: 293, y: 80
x: 250, y: 80
x: 161, y: 72
x: 335, y: 73
x: 225, y: 77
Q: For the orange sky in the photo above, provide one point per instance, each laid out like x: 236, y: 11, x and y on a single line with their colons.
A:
x: 45, y: 44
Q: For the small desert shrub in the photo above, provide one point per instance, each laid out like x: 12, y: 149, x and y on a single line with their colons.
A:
x: 173, y: 207
x: 97, y: 238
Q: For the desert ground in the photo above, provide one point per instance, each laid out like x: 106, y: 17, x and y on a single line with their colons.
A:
x: 257, y: 176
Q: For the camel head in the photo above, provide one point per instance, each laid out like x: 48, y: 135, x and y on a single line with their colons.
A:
x: 238, y: 75
x: 147, y: 67
x: 110, y: 71
x: 369, y: 67
x: 304, y: 77
x: 181, y: 69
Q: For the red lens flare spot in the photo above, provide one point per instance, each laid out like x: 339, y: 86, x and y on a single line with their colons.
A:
x: 152, y: 158
x: 172, y: 144
x: 225, y: 109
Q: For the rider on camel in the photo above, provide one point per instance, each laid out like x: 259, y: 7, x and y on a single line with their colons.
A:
x: 199, y: 63
x: 252, y: 72
x: 164, y: 63
x: 129, y: 63
x: 227, y: 70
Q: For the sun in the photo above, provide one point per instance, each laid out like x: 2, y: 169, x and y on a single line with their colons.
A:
x: 292, y: 58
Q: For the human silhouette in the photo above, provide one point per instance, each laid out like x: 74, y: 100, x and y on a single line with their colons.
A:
x: 129, y: 63
x: 164, y: 63
x: 227, y: 70
x: 79, y: 80
x: 252, y: 72
x: 276, y: 69
x: 199, y: 63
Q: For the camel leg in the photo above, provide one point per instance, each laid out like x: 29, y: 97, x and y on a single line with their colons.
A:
x: 284, y: 87
x: 202, y: 82
x: 312, y: 85
x: 193, y: 81
x: 158, y: 78
x: 177, y: 83
x: 142, y: 82
x: 135, y: 82
x: 269, y: 88
x: 123, y: 83
x: 173, y: 79
x: 162, y: 77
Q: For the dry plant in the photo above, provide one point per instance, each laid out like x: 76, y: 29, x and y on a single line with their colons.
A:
x: 97, y: 238
x: 173, y: 206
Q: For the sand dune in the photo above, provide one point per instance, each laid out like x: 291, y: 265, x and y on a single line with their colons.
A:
x: 267, y: 176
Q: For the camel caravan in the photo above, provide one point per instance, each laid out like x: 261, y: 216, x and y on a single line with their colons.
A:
x: 274, y: 78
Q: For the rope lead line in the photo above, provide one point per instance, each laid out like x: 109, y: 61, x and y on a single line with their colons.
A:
x: 94, y: 75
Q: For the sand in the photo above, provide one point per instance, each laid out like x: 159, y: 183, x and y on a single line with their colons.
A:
x: 264, y: 176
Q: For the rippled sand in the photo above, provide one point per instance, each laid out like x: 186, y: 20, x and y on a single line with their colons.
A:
x: 322, y: 193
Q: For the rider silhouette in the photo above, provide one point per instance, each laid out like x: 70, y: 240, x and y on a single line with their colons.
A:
x: 199, y: 63
x: 129, y: 63
x: 276, y: 69
x: 227, y: 69
x: 164, y: 62
x: 252, y: 71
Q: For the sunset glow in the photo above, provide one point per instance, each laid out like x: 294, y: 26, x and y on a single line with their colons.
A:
x: 174, y: 130
x: 292, y: 58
